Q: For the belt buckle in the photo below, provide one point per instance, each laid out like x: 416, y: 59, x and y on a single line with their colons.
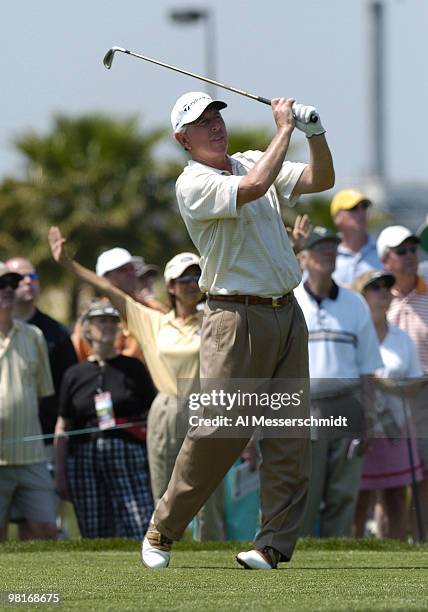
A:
x: 275, y: 302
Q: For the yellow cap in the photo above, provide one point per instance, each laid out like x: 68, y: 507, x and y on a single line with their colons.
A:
x: 345, y: 200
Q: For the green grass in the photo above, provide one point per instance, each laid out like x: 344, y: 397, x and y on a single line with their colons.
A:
x: 328, y: 575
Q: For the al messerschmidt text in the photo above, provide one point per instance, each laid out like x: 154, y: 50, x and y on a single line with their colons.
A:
x: 262, y: 421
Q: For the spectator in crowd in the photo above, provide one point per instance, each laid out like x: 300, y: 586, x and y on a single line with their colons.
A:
x: 171, y: 344
x: 24, y: 377
x: 121, y: 268
x: 61, y: 356
x: 387, y: 468
x: 422, y: 234
x: 124, y: 270
x: 105, y: 473
x: 147, y: 275
x: 398, y: 249
x: 60, y: 348
x: 343, y: 353
x: 356, y: 252
x: 118, y: 265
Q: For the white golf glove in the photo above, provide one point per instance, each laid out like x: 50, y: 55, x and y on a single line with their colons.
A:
x: 302, y: 115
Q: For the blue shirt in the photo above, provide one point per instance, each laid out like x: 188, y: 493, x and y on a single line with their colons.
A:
x: 350, y: 265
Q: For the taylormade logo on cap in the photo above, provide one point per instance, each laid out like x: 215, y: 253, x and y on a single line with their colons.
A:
x: 190, y: 107
x: 187, y: 107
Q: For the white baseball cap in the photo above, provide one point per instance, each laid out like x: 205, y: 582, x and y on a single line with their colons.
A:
x: 176, y: 266
x: 190, y: 106
x: 392, y: 237
x: 113, y: 259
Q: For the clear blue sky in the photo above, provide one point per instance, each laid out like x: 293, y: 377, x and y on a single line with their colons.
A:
x: 313, y: 50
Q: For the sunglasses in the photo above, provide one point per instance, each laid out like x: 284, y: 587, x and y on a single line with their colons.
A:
x: 10, y: 282
x: 360, y: 206
x: 33, y: 276
x: 189, y: 278
x: 378, y: 285
x: 404, y: 250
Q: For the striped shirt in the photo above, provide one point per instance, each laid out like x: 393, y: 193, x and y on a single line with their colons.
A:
x: 244, y: 250
x: 410, y: 313
x: 24, y: 377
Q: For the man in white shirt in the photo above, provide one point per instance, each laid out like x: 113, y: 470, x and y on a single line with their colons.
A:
x: 343, y: 350
x: 252, y: 326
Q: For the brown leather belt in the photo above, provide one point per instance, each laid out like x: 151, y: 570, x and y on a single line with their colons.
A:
x: 254, y: 299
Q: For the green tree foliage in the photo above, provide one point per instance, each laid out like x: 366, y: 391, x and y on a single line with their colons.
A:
x: 98, y: 179
x: 318, y: 208
x: 256, y: 139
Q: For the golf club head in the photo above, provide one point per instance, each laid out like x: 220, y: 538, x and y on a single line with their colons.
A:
x: 108, y: 57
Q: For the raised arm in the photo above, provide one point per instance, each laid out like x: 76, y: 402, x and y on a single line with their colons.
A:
x: 261, y: 176
x: 101, y: 284
x: 319, y: 173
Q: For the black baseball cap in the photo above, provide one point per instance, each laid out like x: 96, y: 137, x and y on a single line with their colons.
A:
x: 320, y: 234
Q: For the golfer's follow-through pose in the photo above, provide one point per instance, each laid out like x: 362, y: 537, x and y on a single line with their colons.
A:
x: 253, y: 327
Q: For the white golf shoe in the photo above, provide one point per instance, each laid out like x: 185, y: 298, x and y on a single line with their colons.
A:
x: 156, y: 549
x: 264, y: 559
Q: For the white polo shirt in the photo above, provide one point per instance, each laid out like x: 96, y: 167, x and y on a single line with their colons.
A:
x: 243, y: 250
x: 343, y: 343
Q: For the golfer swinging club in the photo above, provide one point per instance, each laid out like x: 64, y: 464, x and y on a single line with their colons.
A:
x: 253, y: 326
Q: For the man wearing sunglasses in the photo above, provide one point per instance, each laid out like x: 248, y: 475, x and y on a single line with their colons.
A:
x: 24, y: 377
x: 356, y: 252
x: 398, y: 248
x: 60, y: 349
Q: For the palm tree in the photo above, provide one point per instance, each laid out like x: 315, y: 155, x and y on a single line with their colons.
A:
x: 98, y: 179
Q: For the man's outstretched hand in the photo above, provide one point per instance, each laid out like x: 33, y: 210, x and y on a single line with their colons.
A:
x: 57, y: 245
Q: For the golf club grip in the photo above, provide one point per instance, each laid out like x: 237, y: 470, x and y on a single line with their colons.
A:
x: 314, y: 116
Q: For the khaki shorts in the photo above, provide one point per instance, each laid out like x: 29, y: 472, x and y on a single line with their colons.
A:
x: 30, y: 489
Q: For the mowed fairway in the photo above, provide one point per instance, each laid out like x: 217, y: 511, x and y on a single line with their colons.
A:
x: 107, y: 575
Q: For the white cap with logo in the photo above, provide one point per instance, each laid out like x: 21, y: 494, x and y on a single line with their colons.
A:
x: 392, y: 237
x: 191, y: 106
x: 176, y: 266
x: 112, y: 259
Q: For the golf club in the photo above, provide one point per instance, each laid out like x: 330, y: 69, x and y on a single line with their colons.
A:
x: 108, y: 60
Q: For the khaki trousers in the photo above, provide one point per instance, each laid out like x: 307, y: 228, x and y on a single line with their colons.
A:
x: 240, y: 341
x: 163, y: 447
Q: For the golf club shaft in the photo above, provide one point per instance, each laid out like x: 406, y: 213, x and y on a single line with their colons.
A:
x: 108, y: 59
